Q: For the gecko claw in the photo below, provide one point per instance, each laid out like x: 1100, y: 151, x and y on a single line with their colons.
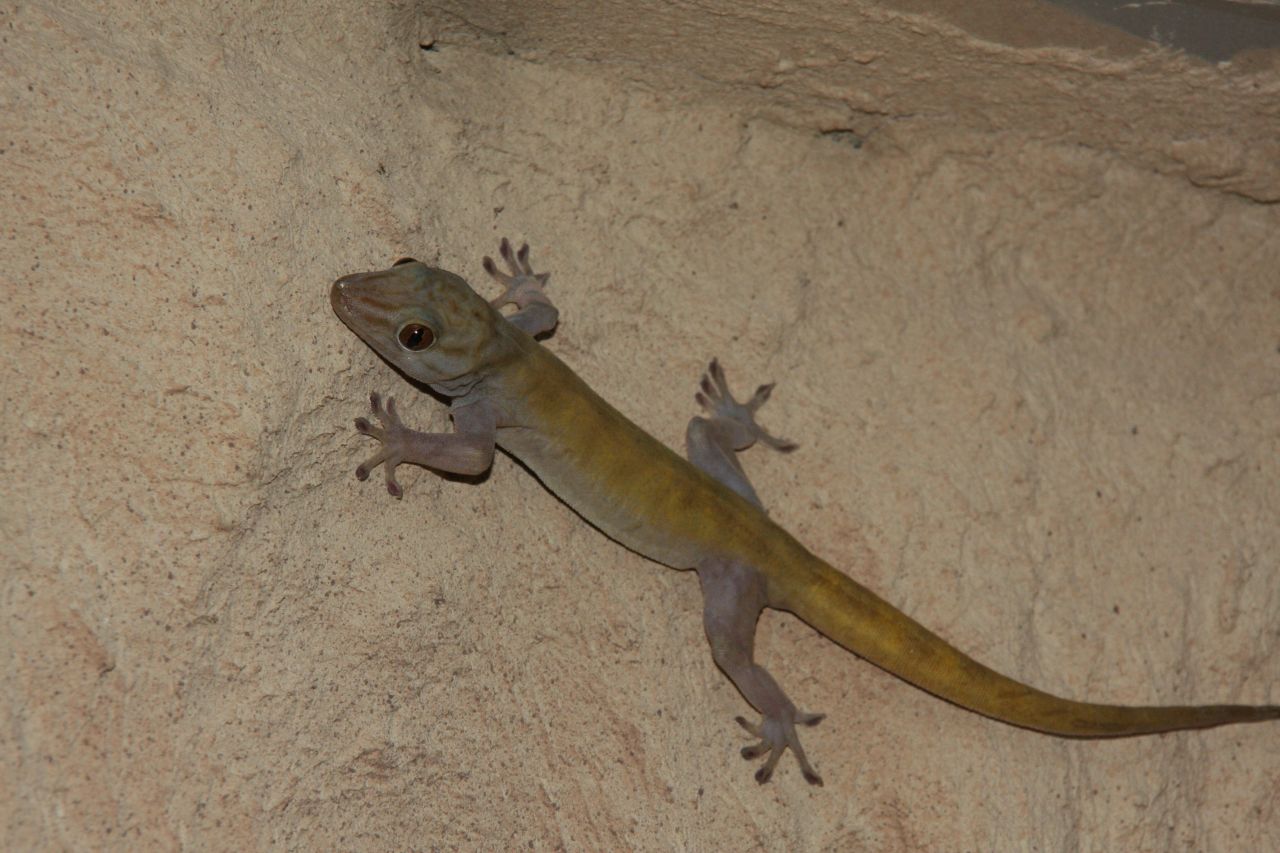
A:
x: 776, y: 736
x: 522, y: 286
x: 390, y: 433
x: 719, y: 401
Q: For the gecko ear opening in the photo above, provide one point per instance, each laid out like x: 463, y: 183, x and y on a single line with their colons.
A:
x: 405, y: 261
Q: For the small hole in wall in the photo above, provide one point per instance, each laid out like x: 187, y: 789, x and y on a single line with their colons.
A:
x: 848, y: 137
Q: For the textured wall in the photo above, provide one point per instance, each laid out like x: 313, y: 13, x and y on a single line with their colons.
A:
x: 1019, y: 296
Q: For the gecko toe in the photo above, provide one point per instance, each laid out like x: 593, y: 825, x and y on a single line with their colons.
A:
x: 363, y: 469
x: 761, y: 396
x: 393, y: 486
x: 513, y: 257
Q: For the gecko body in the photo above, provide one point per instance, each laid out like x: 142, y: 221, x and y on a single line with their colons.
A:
x: 507, y: 390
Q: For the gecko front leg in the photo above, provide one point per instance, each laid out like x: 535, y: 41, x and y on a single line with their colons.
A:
x: 524, y: 289
x: 713, y: 443
x: 469, y: 450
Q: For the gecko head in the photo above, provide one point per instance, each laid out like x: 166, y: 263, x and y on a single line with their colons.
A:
x: 427, y: 322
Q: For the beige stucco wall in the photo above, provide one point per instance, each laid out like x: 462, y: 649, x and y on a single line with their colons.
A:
x: 1017, y: 282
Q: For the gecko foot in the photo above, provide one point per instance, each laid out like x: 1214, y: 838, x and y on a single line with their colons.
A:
x: 392, y: 434
x: 716, y: 398
x: 523, y: 285
x: 776, y: 735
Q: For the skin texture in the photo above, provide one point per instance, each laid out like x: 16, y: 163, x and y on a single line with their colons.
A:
x: 508, y: 391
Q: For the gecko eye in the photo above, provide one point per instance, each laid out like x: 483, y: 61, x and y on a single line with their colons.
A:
x: 405, y: 261
x: 415, y: 337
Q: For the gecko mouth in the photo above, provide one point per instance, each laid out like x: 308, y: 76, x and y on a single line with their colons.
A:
x: 338, y: 291
x: 363, y: 297
x: 340, y: 294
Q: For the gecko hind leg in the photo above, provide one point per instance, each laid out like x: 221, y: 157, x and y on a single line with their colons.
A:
x: 712, y: 443
x: 733, y: 595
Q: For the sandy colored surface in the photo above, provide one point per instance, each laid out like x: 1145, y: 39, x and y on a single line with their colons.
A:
x: 1020, y: 297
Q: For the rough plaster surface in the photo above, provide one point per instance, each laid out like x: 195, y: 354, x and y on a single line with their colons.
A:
x: 1020, y: 298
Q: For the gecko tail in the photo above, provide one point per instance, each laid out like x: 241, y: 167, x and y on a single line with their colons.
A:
x: 873, y: 629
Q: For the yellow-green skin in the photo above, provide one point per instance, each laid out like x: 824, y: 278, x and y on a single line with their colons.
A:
x: 642, y: 494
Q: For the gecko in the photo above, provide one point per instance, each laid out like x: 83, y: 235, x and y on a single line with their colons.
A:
x: 694, y: 512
